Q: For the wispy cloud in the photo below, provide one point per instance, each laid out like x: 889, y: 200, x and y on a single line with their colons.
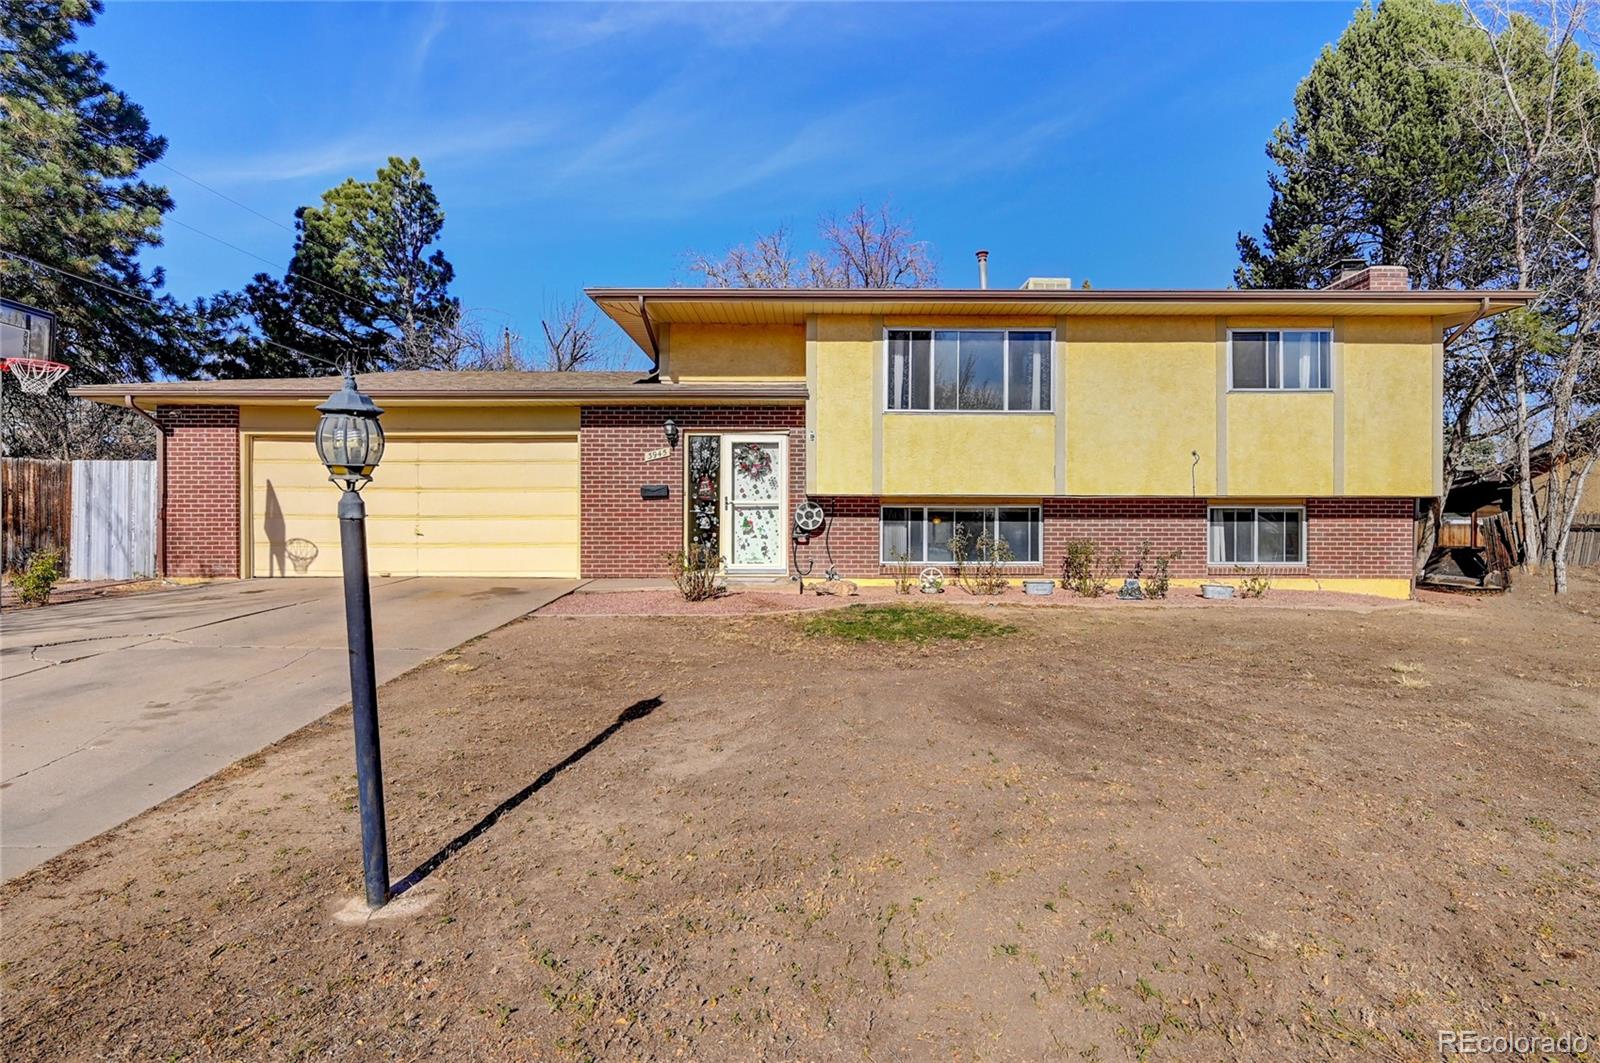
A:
x: 725, y: 25
x: 360, y: 151
x: 422, y: 49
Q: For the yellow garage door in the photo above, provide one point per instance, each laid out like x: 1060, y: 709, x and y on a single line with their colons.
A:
x: 435, y: 507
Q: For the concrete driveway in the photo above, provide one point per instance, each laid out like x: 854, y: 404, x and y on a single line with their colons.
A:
x: 112, y: 705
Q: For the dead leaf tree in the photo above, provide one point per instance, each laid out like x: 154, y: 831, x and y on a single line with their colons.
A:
x: 767, y: 263
x: 871, y: 249
x: 1538, y: 101
x: 867, y: 248
x: 572, y: 337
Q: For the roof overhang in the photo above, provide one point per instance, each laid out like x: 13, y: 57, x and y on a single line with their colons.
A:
x: 148, y: 396
x: 639, y: 310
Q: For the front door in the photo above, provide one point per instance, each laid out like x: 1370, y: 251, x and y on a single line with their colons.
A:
x: 755, y: 510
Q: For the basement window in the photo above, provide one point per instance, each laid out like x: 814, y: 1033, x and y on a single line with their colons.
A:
x: 1280, y: 360
x: 1256, y: 535
x: 981, y: 370
x: 920, y: 535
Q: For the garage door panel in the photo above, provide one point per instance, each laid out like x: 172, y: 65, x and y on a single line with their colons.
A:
x: 482, y: 507
x: 465, y: 531
x: 479, y: 452
x: 534, y: 502
x: 499, y: 561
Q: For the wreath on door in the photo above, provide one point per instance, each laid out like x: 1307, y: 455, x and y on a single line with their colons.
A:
x: 754, y: 461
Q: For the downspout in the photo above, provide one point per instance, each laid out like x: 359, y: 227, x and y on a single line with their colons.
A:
x: 650, y: 331
x: 1483, y: 310
x: 161, y: 482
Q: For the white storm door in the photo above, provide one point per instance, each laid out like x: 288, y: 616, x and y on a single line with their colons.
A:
x: 755, y: 508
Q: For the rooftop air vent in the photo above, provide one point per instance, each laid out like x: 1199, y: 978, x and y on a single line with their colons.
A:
x: 1047, y: 284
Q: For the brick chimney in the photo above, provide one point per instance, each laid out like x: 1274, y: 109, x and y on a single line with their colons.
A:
x: 1356, y: 276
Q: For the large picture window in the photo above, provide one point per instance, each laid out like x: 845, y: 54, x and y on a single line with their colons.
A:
x: 991, y: 370
x: 1257, y: 535
x: 1281, y: 360
x: 921, y: 534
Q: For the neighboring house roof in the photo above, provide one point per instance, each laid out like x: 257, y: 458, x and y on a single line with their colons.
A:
x: 639, y: 310
x: 438, y: 385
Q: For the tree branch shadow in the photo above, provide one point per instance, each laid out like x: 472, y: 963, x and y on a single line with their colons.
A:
x: 637, y: 711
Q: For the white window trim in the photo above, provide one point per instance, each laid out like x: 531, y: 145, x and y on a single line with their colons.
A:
x: 1255, y: 537
x: 1046, y: 394
x: 1288, y: 391
x: 994, y: 514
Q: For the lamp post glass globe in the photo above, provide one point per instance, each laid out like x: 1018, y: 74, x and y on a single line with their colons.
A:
x: 349, y: 437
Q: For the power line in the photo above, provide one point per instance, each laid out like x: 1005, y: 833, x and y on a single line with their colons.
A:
x: 452, y: 330
x: 156, y: 160
x: 124, y: 293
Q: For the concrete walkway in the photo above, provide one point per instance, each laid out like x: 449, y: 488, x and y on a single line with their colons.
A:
x: 111, y: 705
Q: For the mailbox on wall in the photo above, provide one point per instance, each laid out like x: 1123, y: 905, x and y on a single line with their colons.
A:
x: 655, y: 491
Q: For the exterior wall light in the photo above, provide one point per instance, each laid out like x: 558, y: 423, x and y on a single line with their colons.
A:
x: 671, y: 430
x: 350, y: 444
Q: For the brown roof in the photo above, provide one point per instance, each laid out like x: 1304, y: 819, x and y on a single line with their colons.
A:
x: 421, y: 383
x: 638, y: 310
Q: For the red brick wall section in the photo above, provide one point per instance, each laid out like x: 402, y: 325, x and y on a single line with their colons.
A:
x: 624, y: 535
x: 1364, y: 538
x: 202, y: 490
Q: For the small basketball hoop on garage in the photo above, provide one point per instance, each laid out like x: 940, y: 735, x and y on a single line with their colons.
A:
x: 34, y: 375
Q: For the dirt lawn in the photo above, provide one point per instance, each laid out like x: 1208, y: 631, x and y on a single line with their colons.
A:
x: 1263, y: 834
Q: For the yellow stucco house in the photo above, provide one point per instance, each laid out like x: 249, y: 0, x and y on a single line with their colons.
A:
x: 1285, y: 432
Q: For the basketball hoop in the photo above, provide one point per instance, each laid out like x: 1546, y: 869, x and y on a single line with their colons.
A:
x: 34, y: 375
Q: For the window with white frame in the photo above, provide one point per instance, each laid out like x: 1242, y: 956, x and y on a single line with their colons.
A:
x: 1281, y: 359
x: 1257, y: 535
x: 921, y: 534
x: 993, y: 370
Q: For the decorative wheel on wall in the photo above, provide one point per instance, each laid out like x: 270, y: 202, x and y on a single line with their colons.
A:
x: 808, y: 517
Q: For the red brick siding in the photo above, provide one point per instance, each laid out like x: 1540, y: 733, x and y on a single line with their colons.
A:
x: 624, y: 535
x: 1345, y: 538
x: 1374, y: 279
x: 201, y: 531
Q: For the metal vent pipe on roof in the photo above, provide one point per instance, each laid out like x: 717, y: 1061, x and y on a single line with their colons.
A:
x: 983, y: 269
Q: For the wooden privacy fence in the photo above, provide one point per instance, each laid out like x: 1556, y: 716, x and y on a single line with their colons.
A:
x: 102, y: 515
x: 1584, y: 548
x: 113, y: 520
x: 37, y: 507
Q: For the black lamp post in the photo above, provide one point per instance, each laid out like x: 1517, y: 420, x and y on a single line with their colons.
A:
x: 350, y: 444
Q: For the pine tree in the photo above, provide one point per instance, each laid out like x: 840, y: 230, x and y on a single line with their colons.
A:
x: 73, y: 149
x: 363, y: 284
x: 1381, y: 159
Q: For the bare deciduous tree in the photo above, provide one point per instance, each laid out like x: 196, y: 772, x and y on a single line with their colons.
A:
x: 768, y: 263
x: 1538, y: 103
x: 872, y: 249
x: 572, y: 337
x: 866, y: 248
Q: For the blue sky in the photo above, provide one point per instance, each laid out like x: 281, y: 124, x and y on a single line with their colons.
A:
x: 594, y: 144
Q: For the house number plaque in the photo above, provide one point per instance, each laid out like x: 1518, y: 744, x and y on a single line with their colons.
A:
x: 657, y: 454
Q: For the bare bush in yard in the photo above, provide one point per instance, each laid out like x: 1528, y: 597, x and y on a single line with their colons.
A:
x: 38, y: 577
x: 1252, y: 584
x: 1086, y: 570
x: 980, y: 561
x: 1154, y: 571
x: 697, y: 572
x: 903, y: 571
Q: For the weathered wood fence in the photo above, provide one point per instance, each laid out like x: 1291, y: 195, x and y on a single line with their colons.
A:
x: 101, y: 515
x: 1585, y: 543
x: 113, y: 520
x: 37, y: 507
